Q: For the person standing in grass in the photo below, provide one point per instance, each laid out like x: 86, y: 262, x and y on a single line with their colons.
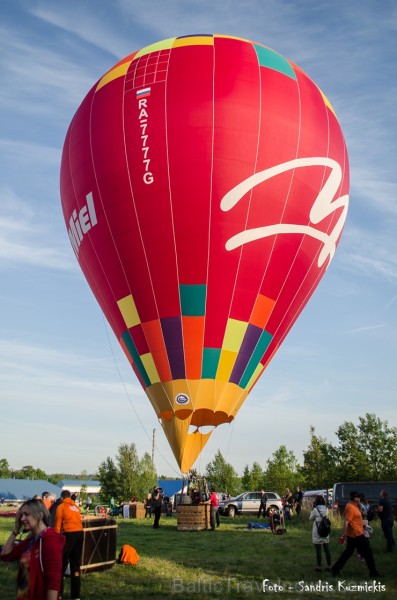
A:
x: 214, y: 509
x: 385, y: 513
x: 68, y: 521
x: 157, y: 504
x: 298, y: 498
x: 319, y: 511
x: 353, y: 532
x: 262, y: 504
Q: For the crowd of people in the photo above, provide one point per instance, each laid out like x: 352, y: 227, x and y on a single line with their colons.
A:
x: 291, y: 502
x: 55, y: 536
x: 356, y: 527
x: 356, y: 531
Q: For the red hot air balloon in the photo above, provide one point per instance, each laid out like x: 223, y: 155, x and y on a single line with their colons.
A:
x: 204, y: 185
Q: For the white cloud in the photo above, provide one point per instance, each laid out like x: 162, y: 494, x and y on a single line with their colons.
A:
x: 366, y: 328
x: 27, y: 239
x: 37, y: 80
x: 91, y: 26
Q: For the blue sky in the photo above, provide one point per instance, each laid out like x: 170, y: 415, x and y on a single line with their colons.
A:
x: 67, y: 395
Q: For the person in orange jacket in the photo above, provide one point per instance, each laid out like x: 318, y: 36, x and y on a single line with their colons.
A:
x: 68, y: 521
x: 47, y: 500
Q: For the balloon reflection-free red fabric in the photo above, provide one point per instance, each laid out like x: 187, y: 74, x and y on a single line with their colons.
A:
x: 204, y: 184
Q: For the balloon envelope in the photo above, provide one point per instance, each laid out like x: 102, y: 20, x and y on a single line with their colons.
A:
x: 204, y: 185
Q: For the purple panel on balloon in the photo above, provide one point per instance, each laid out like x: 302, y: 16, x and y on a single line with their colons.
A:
x: 250, y: 341
x: 172, y: 331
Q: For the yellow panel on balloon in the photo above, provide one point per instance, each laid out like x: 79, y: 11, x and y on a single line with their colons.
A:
x: 226, y: 364
x: 228, y: 396
x: 202, y: 393
x: 159, y: 397
x: 182, y: 400
x: 185, y: 446
x: 150, y: 367
x: 129, y: 312
x: 255, y: 376
x: 234, y: 335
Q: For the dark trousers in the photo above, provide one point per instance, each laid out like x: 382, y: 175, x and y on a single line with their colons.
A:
x: 214, y: 517
x: 262, y: 507
x: 72, y: 552
x: 361, y: 544
x: 327, y: 554
x: 157, y: 515
x: 387, y: 528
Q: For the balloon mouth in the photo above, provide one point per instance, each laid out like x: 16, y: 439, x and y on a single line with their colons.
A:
x: 206, y: 417
x: 202, y: 417
x: 205, y: 429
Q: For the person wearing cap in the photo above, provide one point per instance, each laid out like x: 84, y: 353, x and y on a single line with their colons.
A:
x: 353, y: 533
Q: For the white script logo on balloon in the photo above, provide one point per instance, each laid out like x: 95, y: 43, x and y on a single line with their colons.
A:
x: 323, y: 206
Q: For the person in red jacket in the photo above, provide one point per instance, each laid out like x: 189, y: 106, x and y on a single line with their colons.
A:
x: 39, y: 555
x: 214, y: 509
x: 68, y: 521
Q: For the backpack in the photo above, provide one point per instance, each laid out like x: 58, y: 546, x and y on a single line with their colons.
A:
x: 323, y: 526
x: 370, y: 514
x: 128, y: 555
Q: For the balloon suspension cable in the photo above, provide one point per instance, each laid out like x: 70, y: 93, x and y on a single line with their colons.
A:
x: 129, y: 398
x: 230, y: 438
x: 226, y: 431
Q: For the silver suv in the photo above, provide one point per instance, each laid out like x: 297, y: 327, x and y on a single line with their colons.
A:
x: 248, y: 504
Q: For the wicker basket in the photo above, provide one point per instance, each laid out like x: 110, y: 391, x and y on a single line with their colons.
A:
x: 193, y: 517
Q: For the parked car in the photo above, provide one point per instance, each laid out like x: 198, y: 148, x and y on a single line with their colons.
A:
x: 248, y: 504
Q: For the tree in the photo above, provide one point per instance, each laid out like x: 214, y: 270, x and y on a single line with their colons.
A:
x: 379, y: 443
x: 83, y: 492
x: 253, y: 479
x: 55, y: 478
x: 5, y: 471
x: 128, y: 467
x: 318, y: 463
x: 222, y: 475
x: 29, y: 472
x: 146, y: 477
x: 128, y: 476
x: 109, y: 478
x: 282, y: 471
x: 367, y: 452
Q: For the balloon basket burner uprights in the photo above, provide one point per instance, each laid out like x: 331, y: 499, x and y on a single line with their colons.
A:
x: 277, y: 522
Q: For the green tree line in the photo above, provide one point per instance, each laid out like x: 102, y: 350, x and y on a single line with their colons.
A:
x: 363, y: 452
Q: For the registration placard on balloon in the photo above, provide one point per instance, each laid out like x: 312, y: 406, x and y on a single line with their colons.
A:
x: 204, y: 185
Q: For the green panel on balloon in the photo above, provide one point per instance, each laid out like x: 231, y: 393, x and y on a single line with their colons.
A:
x: 272, y: 60
x: 259, y: 351
x: 210, y: 362
x: 193, y: 300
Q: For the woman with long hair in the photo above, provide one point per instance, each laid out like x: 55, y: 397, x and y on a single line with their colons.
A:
x: 39, y: 555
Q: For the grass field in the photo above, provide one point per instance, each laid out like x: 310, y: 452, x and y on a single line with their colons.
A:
x: 231, y: 562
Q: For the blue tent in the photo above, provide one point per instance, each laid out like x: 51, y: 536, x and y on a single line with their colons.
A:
x: 170, y: 487
x: 23, y: 489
